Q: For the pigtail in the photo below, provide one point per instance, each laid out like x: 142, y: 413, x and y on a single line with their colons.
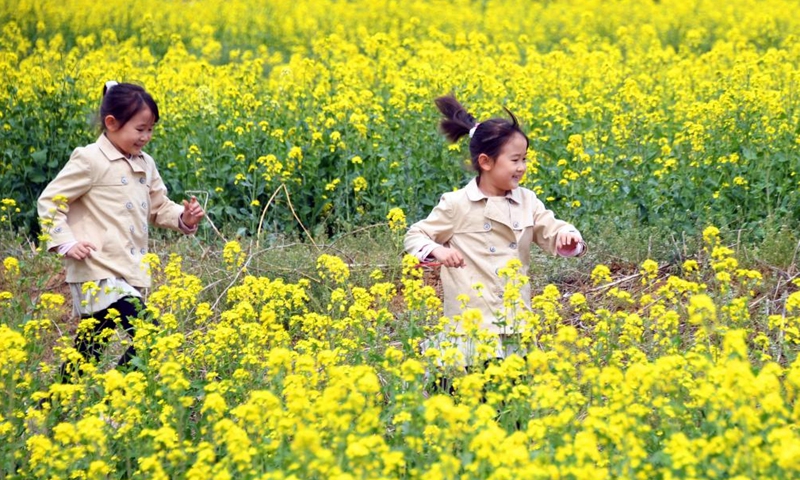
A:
x: 457, y: 122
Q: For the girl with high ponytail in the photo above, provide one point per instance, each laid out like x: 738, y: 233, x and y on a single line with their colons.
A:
x: 474, y: 232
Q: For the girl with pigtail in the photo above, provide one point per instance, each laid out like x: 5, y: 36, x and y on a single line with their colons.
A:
x: 473, y: 232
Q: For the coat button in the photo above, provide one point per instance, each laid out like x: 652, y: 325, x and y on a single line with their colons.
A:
x: 131, y: 228
x: 133, y: 251
x: 129, y: 205
x: 124, y: 180
x: 57, y: 230
x: 143, y: 251
x: 487, y: 226
x: 492, y: 249
x: 141, y: 180
x: 516, y: 224
x: 144, y: 205
x: 513, y: 245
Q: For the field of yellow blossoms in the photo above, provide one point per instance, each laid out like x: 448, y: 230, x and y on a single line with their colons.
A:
x: 312, y: 118
x: 673, y: 112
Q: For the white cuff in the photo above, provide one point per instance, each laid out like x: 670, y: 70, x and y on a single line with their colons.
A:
x: 65, y: 247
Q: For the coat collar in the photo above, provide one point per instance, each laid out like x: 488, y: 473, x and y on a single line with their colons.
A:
x: 111, y: 152
x: 474, y: 193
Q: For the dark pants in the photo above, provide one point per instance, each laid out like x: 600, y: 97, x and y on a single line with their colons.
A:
x: 88, y: 343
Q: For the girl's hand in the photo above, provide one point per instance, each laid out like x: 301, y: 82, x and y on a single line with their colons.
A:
x: 448, y: 257
x: 569, y: 243
x: 81, y: 251
x: 192, y: 212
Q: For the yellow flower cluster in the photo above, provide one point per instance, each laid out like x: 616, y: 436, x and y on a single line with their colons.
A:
x: 627, y: 104
x: 397, y: 220
x: 662, y: 108
x: 671, y: 378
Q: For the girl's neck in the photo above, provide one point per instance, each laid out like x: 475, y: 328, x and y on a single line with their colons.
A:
x: 123, y: 152
x: 488, y: 191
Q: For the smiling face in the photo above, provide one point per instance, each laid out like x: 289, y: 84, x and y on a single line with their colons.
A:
x: 131, y: 137
x: 502, y: 174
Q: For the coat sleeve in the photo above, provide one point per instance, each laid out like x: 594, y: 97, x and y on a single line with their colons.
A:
x: 71, y: 183
x: 426, y: 235
x: 546, y: 227
x: 164, y: 212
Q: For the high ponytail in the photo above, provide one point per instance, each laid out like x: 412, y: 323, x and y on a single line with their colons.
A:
x: 457, y: 122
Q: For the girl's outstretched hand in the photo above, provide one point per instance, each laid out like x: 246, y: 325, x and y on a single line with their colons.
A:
x: 569, y: 243
x: 192, y: 212
x: 81, y: 250
x: 448, y: 257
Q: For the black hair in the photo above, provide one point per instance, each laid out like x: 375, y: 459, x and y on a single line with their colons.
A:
x: 123, y: 101
x: 488, y: 138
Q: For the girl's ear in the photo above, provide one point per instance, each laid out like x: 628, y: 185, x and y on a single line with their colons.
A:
x: 485, y: 161
x: 111, y: 123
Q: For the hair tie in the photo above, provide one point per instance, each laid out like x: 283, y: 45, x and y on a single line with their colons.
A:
x: 472, y: 130
x: 109, y: 84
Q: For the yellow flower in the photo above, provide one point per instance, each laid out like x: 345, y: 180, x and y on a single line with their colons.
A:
x: 11, y: 265
x: 50, y: 301
x: 330, y: 266
x: 150, y: 262
x: 359, y: 184
x: 711, y: 235
x: 331, y: 186
x: 397, y: 219
x: 233, y: 255
x: 690, y: 266
x: 702, y: 310
x: 600, y: 274
x: 376, y: 274
x: 5, y: 297
x: 296, y: 153
x: 649, y: 271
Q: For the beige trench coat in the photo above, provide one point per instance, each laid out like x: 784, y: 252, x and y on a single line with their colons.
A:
x: 111, y: 202
x: 488, y: 231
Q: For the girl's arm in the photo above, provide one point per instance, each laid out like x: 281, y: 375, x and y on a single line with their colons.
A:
x: 431, y: 233
x: 163, y: 212
x: 555, y: 236
x: 72, y: 182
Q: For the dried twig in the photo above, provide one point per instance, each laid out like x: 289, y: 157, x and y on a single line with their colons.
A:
x: 294, y: 213
x: 205, y: 196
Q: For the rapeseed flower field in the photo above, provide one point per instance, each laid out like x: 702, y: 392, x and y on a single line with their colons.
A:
x: 679, y: 113
x: 677, y: 376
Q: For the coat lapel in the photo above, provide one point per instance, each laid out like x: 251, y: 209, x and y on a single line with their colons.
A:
x: 111, y: 152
